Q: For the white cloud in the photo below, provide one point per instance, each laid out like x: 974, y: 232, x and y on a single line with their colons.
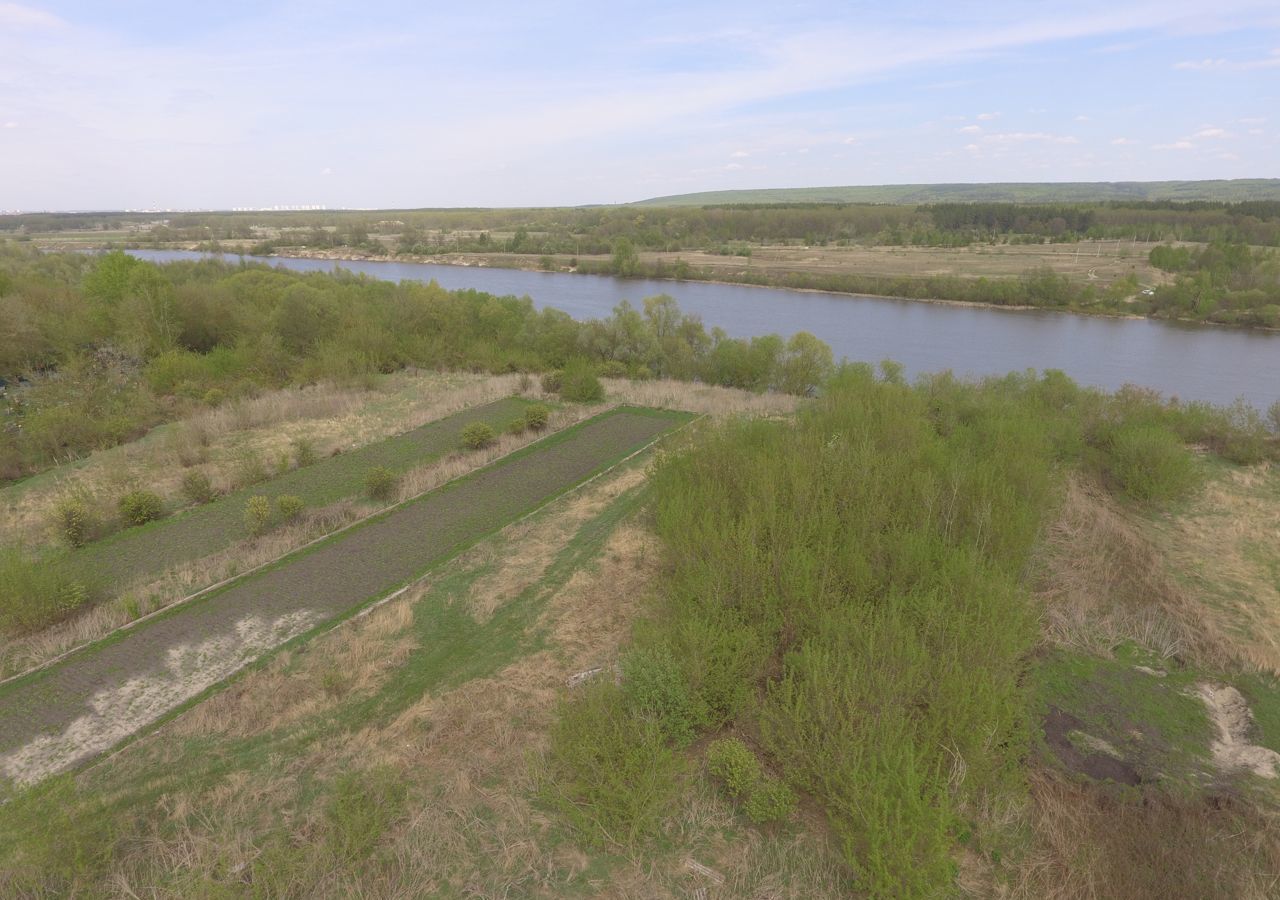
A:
x: 1253, y: 120
x: 987, y: 117
x: 1022, y: 137
x: 1210, y: 131
x: 1123, y: 141
x: 970, y: 129
x: 1220, y: 64
x: 739, y: 154
x: 1082, y: 118
x: 1176, y: 145
x: 10, y: 124
x: 326, y: 171
x: 733, y: 167
x: 15, y: 15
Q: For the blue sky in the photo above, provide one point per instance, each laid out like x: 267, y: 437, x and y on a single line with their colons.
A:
x: 135, y: 103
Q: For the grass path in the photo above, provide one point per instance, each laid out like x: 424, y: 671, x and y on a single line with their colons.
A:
x: 95, y: 698
x: 149, y: 550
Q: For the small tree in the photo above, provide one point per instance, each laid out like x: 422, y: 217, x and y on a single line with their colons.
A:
x: 257, y: 515
x: 579, y: 383
x: 477, y: 435
x: 197, y: 487
x: 380, y: 483
x: 289, y: 507
x: 537, y: 416
x: 140, y: 507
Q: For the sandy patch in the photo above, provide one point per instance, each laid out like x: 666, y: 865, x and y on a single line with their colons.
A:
x: 119, y: 711
x: 1231, y: 716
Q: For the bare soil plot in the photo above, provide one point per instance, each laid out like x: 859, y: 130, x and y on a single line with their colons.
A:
x: 149, y: 550
x: 87, y: 703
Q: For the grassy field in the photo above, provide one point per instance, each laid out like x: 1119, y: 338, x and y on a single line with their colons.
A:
x: 1063, y: 690
x: 61, y: 714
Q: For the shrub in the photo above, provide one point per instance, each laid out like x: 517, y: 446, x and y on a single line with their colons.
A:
x: 1273, y: 416
x: 614, y: 369
x: 214, y: 397
x: 579, y: 384
x: 551, y: 382
x: 733, y: 763
x: 249, y: 469
x: 516, y: 426
x: 770, y: 801
x: 257, y: 515
x: 73, y: 520
x: 35, y: 592
x: 197, y: 487
x: 524, y: 383
x: 304, y: 452
x: 477, y: 435
x: 289, y: 507
x: 140, y: 507
x: 612, y: 775
x: 536, y: 417
x: 1150, y: 463
x: 380, y: 483
x: 655, y: 688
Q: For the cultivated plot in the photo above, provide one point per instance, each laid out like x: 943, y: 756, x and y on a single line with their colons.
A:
x: 56, y: 717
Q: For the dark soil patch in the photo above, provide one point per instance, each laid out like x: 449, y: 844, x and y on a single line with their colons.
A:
x: 1058, y: 726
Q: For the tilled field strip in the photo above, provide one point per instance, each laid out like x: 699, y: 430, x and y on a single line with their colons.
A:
x: 148, y: 551
x: 96, y: 697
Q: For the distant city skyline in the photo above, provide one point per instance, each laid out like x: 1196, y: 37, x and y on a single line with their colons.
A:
x: 147, y: 106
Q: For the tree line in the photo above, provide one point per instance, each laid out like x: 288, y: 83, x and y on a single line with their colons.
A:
x: 96, y: 350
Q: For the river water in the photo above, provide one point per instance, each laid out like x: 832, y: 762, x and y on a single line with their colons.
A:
x: 1192, y: 362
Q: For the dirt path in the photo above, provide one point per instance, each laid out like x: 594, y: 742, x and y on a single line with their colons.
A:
x: 86, y: 704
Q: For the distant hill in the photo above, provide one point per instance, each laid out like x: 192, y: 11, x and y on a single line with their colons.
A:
x: 1016, y: 192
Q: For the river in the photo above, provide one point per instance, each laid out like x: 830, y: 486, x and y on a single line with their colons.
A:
x: 1193, y: 362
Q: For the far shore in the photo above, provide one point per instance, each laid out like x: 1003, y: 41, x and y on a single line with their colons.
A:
x: 527, y: 263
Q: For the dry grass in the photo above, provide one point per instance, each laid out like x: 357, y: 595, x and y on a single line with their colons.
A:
x: 706, y: 399
x: 263, y: 428
x: 469, y: 756
x: 1226, y: 545
x: 1093, y: 844
x: 1104, y: 582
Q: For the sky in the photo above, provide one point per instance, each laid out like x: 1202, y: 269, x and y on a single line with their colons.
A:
x: 135, y: 104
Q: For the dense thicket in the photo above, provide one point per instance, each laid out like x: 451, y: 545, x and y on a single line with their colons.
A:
x: 847, y: 593
x: 98, y: 349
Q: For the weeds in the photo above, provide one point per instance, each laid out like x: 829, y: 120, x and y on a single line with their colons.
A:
x: 35, y: 592
x: 380, y: 483
x: 197, y: 487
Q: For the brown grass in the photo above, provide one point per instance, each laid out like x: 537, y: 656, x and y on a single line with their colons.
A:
x: 1094, y: 844
x: 1103, y: 582
x: 1226, y: 547
x: 470, y: 756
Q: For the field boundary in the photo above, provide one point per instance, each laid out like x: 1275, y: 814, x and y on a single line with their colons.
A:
x: 196, y: 595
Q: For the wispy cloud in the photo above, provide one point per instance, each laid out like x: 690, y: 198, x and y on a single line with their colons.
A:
x: 15, y: 16
x: 1231, y: 65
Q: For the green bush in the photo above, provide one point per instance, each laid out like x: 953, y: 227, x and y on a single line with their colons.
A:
x: 35, y: 592
x: 73, y: 520
x: 214, y: 397
x: 655, y: 688
x: 289, y: 507
x: 614, y: 368
x: 249, y: 468
x: 770, y: 801
x: 536, y: 417
x: 579, y: 384
x: 197, y: 487
x: 304, y: 452
x: 1149, y: 463
x: 140, y: 507
x: 257, y: 515
x: 516, y: 426
x: 733, y: 763
x: 477, y: 435
x: 380, y: 483
x: 612, y: 775
x: 551, y: 382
